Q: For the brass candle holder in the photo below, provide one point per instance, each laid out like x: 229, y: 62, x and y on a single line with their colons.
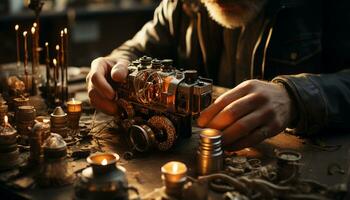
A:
x: 104, y: 179
x: 59, y: 122
x: 74, y: 109
x: 25, y: 117
x: 9, y: 153
x: 174, y: 177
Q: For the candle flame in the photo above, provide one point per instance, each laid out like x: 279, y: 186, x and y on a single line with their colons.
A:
x: 62, y: 33
x: 65, y: 30
x: 175, y: 167
x: 54, y: 61
x: 35, y: 24
x: 57, y: 47
x: 104, y: 162
x: 33, y: 30
x: 25, y: 33
x: 16, y: 27
x: 46, y: 44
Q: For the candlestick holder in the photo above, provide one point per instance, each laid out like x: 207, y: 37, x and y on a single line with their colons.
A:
x: 74, y: 109
x: 55, y: 170
x: 59, y: 122
x: 104, y: 179
x: 9, y: 154
x: 210, y: 153
x: 25, y: 121
x: 174, y: 178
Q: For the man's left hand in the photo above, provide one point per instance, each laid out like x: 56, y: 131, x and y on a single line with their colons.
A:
x: 249, y: 113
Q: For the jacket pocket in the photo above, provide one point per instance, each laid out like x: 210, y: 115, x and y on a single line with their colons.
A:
x: 295, y: 51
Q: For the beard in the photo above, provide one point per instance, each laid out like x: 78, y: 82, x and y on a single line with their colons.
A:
x: 233, y: 13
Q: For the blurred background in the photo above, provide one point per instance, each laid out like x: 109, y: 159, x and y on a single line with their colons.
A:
x: 95, y: 27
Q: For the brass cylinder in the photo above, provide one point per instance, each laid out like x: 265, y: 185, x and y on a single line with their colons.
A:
x: 59, y: 122
x: 209, y: 153
x: 25, y: 120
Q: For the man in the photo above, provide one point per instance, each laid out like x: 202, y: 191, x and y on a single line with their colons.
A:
x: 231, y: 41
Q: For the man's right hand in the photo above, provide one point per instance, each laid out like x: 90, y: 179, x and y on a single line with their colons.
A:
x: 102, y: 95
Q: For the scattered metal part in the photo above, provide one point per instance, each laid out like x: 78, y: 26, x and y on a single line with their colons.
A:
x: 128, y: 155
x: 335, y: 168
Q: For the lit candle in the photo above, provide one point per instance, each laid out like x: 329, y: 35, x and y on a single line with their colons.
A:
x: 47, y: 61
x: 25, y: 53
x: 102, y: 163
x: 17, y: 46
x: 33, y: 50
x: 74, y: 106
x: 174, y: 177
x: 174, y: 171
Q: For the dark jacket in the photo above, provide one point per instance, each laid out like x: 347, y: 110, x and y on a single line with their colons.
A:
x: 304, y: 44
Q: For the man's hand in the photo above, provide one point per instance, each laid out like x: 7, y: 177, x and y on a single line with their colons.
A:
x: 100, y: 91
x: 249, y: 113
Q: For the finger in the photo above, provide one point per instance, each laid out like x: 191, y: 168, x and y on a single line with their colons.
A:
x: 119, y: 71
x: 244, y: 126
x: 98, y: 79
x: 220, y: 103
x: 236, y: 110
x: 103, y: 104
x: 256, y: 137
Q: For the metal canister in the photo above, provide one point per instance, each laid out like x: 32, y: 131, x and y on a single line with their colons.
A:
x: 210, y: 153
x: 25, y: 120
x: 59, y: 122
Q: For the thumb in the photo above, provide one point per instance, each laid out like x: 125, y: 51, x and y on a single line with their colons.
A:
x: 119, y: 71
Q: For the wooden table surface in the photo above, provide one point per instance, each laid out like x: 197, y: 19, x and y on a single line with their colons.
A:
x: 143, y: 171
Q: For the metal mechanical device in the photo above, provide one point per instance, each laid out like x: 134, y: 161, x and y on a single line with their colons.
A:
x: 157, y: 103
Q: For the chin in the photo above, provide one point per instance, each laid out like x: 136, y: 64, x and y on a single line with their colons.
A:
x: 234, y: 13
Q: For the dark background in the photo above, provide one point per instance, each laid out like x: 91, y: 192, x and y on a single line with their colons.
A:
x: 94, y: 30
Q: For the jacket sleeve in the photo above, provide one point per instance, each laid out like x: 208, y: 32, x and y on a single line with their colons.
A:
x: 322, y: 101
x: 157, y: 37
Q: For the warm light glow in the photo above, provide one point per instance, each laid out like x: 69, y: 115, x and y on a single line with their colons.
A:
x: 61, y: 33
x: 104, y: 162
x: 57, y: 47
x: 35, y: 24
x: 33, y: 30
x: 74, y: 105
x: 54, y: 61
x: 46, y: 44
x: 175, y: 167
x: 174, y: 171
x: 25, y: 33
x: 65, y: 30
x: 16, y: 27
x: 6, y: 119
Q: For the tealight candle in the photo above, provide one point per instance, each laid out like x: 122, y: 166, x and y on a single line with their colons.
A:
x: 74, y: 112
x: 102, y: 163
x: 73, y: 106
x: 174, y: 176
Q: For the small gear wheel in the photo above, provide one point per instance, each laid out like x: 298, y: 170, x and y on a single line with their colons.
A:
x: 166, y: 128
x: 127, y: 110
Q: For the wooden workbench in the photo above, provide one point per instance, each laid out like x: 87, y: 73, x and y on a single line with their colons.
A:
x: 143, y: 171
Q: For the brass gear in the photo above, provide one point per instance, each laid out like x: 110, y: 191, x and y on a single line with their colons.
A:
x: 127, y: 110
x: 162, y: 123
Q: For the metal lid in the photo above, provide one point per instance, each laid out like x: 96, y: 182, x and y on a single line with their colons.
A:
x: 55, y: 146
x: 58, y: 112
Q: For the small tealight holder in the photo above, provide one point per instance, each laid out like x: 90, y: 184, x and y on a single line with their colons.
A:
x: 174, y: 177
x: 74, y: 109
x: 104, y: 179
x: 9, y: 153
